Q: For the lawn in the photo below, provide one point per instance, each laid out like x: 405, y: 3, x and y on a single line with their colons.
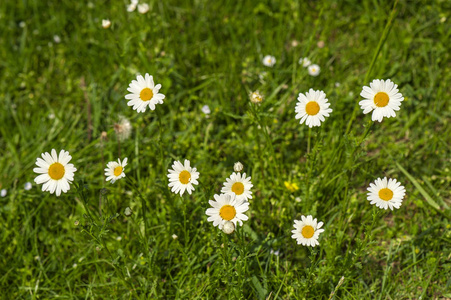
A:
x: 63, y: 84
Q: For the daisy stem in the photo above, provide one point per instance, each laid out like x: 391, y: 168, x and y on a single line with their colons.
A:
x: 382, y: 41
x: 308, y: 139
x: 143, y: 201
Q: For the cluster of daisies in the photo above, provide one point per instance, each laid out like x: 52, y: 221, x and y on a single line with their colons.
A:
x: 228, y: 208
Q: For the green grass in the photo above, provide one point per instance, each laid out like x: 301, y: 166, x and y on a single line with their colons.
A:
x: 207, y: 52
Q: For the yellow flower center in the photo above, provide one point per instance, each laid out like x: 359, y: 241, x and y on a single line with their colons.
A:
x: 307, y: 231
x: 227, y: 212
x: 146, y: 94
x: 312, y: 108
x: 118, y: 171
x: 185, y: 177
x: 386, y: 194
x: 238, y: 188
x: 381, y: 99
x: 56, y: 171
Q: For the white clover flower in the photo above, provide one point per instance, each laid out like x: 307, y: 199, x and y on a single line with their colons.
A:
x: 182, y: 177
x: 227, y: 208
x: 144, y: 93
x: 307, y: 231
x: 386, y: 193
x: 56, y: 172
x: 312, y: 108
x: 269, y: 61
x: 314, y: 70
x: 382, y: 98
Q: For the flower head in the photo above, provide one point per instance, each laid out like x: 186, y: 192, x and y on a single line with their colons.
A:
x: 314, y: 70
x: 227, y: 208
x: 144, y: 93
x: 291, y: 186
x: 256, y: 97
x: 386, y: 193
x: 55, y: 171
x: 115, y: 170
x: 3, y: 192
x: 123, y: 128
x: 106, y: 23
x: 238, y: 185
x: 206, y: 109
x: 306, y: 231
x: 305, y: 62
x: 238, y: 167
x: 312, y: 108
x: 143, y: 8
x: 228, y: 227
x: 382, y: 98
x: 269, y: 60
x: 182, y: 177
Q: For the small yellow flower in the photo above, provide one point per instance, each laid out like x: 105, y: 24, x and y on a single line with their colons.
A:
x: 291, y: 186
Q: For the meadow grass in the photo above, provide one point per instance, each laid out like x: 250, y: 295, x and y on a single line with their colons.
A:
x: 62, y: 83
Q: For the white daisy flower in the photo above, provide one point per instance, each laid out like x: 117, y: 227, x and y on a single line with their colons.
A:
x: 143, y: 8
x: 382, y: 98
x: 307, y: 231
x: 182, y: 177
x: 132, y: 6
x: 305, y: 62
x: 56, y: 172
x: 115, y: 170
x: 227, y: 208
x: 238, y: 185
x: 256, y: 97
x: 144, y: 93
x: 386, y: 193
x: 269, y: 60
x: 314, y: 70
x: 106, y: 23
x: 312, y: 108
x: 3, y: 192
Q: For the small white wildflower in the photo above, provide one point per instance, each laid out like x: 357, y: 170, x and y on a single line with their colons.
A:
x: 256, y: 97
x: 128, y: 212
x: 174, y: 236
x: 337, y: 84
x: 57, y: 39
x: 143, y: 8
x: 118, y: 238
x: 27, y: 186
x: 206, y: 110
x: 22, y: 24
x: 305, y: 62
x: 3, y: 192
x: 74, y: 266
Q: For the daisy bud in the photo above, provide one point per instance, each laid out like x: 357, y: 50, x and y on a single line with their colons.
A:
x: 238, y: 167
x: 228, y: 227
x: 106, y: 23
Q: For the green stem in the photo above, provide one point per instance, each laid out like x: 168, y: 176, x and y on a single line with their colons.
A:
x: 144, y: 206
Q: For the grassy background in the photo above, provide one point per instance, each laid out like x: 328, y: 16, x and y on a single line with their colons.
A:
x: 210, y: 53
